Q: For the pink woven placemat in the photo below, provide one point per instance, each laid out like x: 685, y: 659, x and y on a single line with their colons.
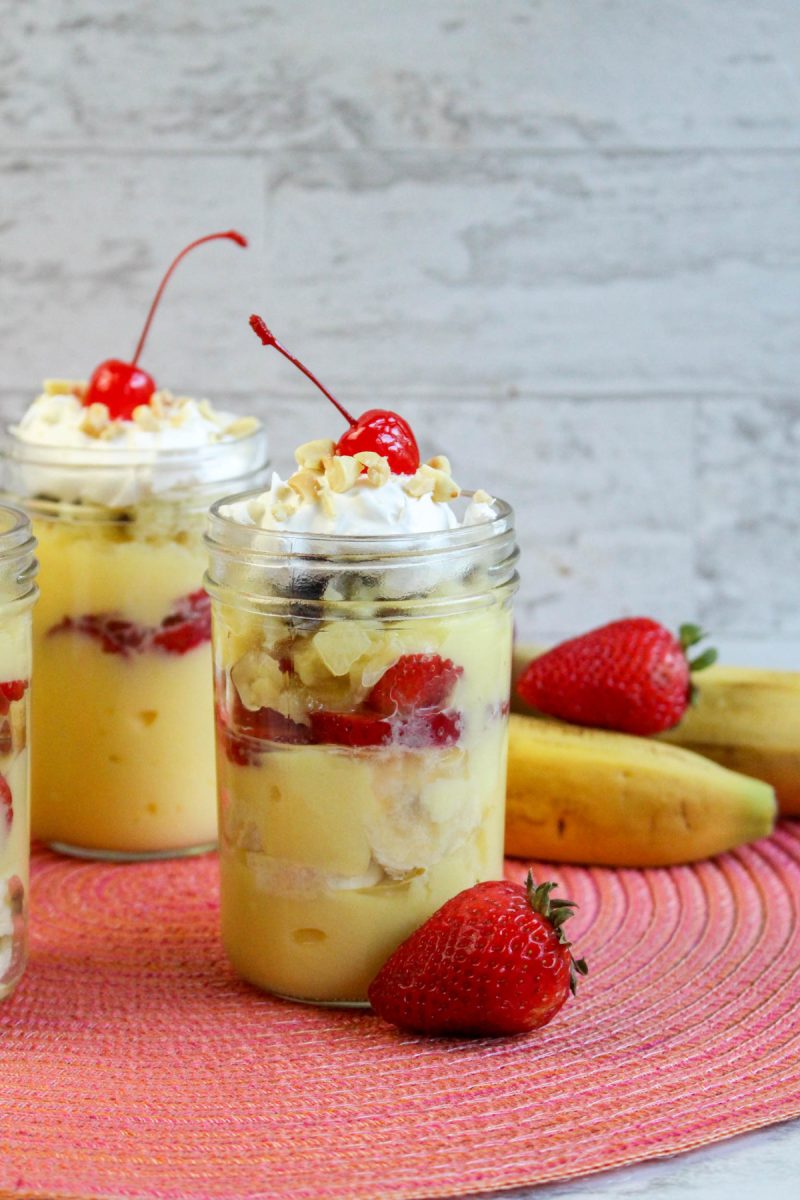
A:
x: 133, y: 1064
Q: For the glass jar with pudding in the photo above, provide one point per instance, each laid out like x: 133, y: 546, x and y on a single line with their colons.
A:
x: 362, y: 649
x: 122, y: 716
x: 17, y: 595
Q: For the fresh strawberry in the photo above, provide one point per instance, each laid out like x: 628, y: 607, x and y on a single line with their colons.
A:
x: 13, y: 689
x: 428, y: 729
x: 632, y: 675
x: 350, y: 729
x: 187, y: 625
x: 415, y: 683
x: 268, y: 724
x: 242, y: 752
x: 491, y: 961
x: 114, y: 633
x: 6, y: 802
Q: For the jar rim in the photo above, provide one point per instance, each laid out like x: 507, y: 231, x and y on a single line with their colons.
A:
x: 229, y: 535
x: 15, y: 531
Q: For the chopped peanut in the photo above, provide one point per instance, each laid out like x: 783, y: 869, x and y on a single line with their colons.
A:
x: 241, y: 427
x: 286, y: 502
x: 341, y: 472
x: 145, y: 418
x: 306, y: 484
x: 437, y: 482
x: 311, y: 454
x: 64, y: 387
x: 440, y: 462
x: 378, y: 469
x: 95, y: 420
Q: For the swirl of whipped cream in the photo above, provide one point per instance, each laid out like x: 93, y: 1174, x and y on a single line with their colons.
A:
x: 366, y: 503
x: 64, y: 449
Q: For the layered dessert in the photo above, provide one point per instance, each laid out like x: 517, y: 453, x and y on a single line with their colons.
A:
x: 117, y: 476
x: 362, y: 634
x: 16, y: 596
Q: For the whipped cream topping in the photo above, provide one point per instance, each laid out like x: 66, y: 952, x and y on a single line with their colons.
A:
x: 359, y: 497
x: 77, y: 453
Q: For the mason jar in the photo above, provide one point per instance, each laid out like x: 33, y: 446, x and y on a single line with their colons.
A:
x: 122, y: 715
x: 17, y: 595
x: 361, y: 705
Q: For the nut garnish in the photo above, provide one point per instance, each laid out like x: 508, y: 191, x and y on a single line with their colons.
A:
x: 285, y: 503
x: 145, y: 418
x: 64, y: 387
x: 241, y: 427
x: 306, y: 484
x: 431, y: 479
x: 378, y: 469
x: 159, y: 401
x: 325, y: 496
x: 440, y: 462
x: 311, y: 454
x: 341, y: 472
x: 95, y: 420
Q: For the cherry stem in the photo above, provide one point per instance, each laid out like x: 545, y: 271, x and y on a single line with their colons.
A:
x: 230, y: 234
x: 268, y: 339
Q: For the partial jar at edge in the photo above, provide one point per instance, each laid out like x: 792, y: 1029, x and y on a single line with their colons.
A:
x: 17, y: 595
x: 346, y: 821
x: 122, y: 715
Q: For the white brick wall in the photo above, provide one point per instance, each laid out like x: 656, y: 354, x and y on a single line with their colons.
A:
x: 563, y: 236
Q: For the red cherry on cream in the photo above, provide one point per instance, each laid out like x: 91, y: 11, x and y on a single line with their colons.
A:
x: 123, y: 386
x: 379, y: 430
x: 385, y: 433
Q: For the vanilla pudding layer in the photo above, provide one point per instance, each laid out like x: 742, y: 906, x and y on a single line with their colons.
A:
x: 331, y: 855
x: 126, y: 765
x: 15, y: 665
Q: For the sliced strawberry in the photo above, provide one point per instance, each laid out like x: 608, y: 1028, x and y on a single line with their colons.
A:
x: 268, y: 724
x: 415, y: 683
x: 429, y: 729
x: 187, y: 625
x: 242, y: 752
x: 14, y: 689
x: 115, y: 635
x: 350, y: 729
x: 6, y: 802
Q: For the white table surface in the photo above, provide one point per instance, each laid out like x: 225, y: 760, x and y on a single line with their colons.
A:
x: 761, y: 1165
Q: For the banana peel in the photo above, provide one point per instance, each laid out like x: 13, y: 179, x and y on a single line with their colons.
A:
x: 589, y: 796
x: 744, y: 718
x: 748, y: 720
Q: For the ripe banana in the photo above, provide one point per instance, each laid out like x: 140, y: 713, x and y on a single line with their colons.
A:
x: 589, y: 796
x: 743, y: 718
x: 748, y: 720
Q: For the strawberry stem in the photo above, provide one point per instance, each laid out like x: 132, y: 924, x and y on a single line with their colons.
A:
x: 556, y: 911
x: 268, y: 339
x: 689, y: 636
x: 232, y: 236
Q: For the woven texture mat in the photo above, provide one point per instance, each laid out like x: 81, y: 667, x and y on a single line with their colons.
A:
x: 133, y: 1063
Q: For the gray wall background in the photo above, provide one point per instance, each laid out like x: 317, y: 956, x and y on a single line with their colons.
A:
x: 561, y: 236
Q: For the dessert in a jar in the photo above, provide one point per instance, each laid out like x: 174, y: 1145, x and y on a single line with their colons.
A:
x: 117, y: 476
x: 362, y: 648
x: 17, y: 596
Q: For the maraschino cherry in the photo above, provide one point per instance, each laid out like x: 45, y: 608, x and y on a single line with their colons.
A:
x: 123, y: 386
x: 377, y: 429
